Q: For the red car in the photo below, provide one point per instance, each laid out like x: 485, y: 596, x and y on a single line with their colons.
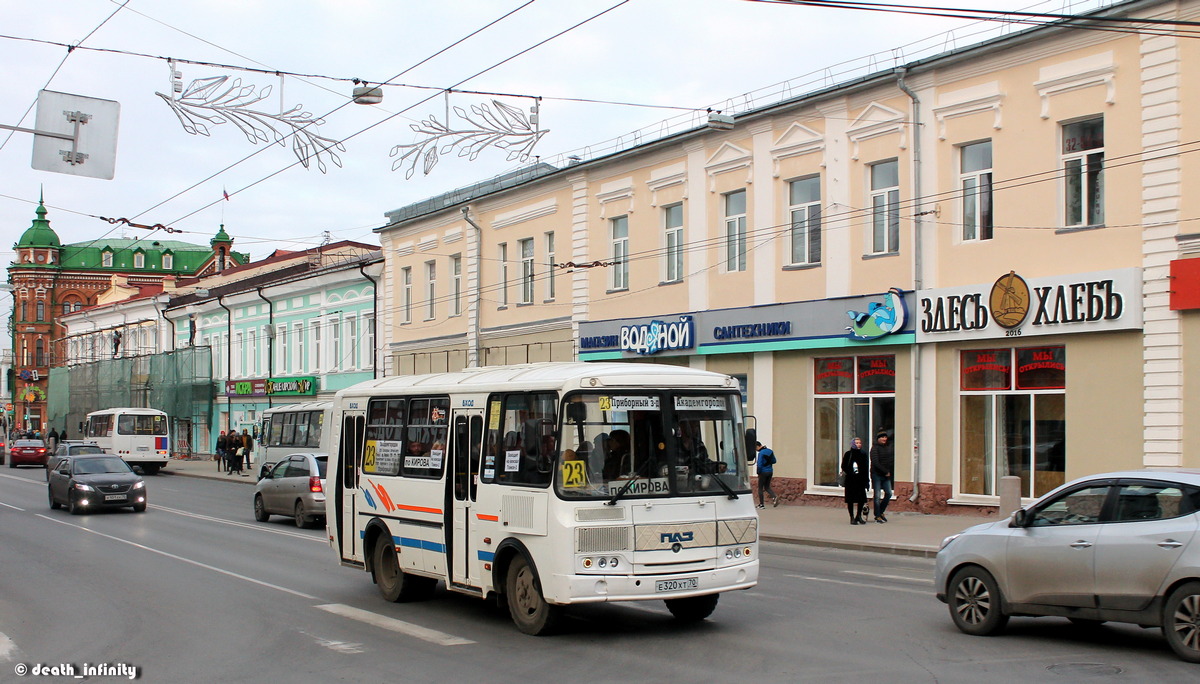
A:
x: 28, y: 452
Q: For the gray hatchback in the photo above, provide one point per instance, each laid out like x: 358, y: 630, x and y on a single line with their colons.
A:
x: 294, y: 486
x: 1117, y: 547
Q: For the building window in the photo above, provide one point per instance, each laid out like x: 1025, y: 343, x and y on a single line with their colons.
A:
x: 66, y: 308
x: 551, y: 267
x: 335, y: 345
x: 456, y: 285
x: 735, y: 231
x: 281, y: 336
x: 316, y: 346
x: 77, y: 306
x: 975, y: 179
x: 352, y: 341
x: 406, y: 295
x: 805, y: 200
x: 526, y: 247
x: 430, y: 289
x: 502, y: 255
x: 298, y: 332
x: 855, y: 397
x: 139, y: 260
x: 673, y: 235
x: 1012, y: 419
x: 106, y: 259
x: 41, y: 311
x: 1083, y: 172
x: 168, y: 261
x: 885, y: 207
x: 39, y: 352
x: 369, y: 337
x: 619, y: 252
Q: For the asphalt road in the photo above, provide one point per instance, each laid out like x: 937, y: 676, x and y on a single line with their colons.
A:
x: 195, y: 590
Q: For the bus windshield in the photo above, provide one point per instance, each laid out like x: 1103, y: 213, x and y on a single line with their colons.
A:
x: 659, y: 444
x: 141, y: 425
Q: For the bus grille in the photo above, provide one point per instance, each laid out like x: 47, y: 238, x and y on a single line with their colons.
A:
x: 602, y: 513
x: 740, y: 531
x: 601, y: 539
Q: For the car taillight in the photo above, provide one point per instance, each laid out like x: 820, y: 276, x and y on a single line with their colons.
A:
x: 41, y: 451
x: 314, y: 484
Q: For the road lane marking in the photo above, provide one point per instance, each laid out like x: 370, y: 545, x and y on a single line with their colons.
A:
x: 902, y: 578
x: 7, y: 648
x: 859, y: 584
x: 238, y: 523
x: 12, y: 507
x: 392, y: 624
x: 206, y: 566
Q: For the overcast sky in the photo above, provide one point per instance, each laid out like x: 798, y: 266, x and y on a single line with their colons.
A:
x: 671, y: 53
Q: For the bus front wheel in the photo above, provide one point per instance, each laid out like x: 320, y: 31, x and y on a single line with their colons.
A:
x: 528, y: 608
x: 394, y: 584
x: 693, y: 608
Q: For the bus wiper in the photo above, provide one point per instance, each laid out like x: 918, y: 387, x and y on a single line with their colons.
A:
x: 621, y: 492
x: 727, y: 488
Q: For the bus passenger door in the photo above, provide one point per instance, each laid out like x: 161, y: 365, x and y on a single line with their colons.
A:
x: 347, y: 493
x: 466, y: 443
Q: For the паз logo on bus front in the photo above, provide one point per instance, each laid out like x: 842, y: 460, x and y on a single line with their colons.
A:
x: 1009, y: 300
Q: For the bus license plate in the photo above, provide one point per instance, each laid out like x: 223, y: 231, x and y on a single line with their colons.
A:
x: 677, y: 584
x: 114, y: 497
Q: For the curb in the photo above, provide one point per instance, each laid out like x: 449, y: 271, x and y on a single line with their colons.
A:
x: 874, y: 547
x: 241, y: 480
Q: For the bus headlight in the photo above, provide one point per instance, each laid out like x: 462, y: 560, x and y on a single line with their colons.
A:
x: 587, y: 563
x: 603, y: 563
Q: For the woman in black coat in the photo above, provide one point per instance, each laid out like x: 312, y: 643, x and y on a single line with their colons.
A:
x: 856, y: 478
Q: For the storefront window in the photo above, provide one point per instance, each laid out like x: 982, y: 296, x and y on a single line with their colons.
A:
x: 1020, y: 433
x: 868, y: 406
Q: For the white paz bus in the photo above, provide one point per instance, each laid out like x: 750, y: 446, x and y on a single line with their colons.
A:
x: 292, y: 428
x: 138, y: 435
x: 547, y: 484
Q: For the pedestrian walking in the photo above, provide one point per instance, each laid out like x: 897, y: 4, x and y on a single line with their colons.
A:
x: 855, y: 479
x: 222, y: 453
x: 766, y: 470
x: 248, y: 445
x: 52, y: 440
x: 883, y: 465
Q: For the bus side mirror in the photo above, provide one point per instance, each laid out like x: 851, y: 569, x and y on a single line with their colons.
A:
x: 751, y: 443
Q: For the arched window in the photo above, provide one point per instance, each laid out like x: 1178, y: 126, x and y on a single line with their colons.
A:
x: 41, y: 311
x: 77, y: 307
x: 66, y: 308
x: 39, y: 353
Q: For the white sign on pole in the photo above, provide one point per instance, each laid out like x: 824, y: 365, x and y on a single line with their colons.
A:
x: 91, y: 122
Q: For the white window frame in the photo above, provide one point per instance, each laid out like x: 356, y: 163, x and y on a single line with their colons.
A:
x: 551, y: 267
x: 106, y: 259
x: 976, y: 187
x: 168, y: 261
x: 884, y: 236
x: 406, y: 294
x: 283, y: 357
x: 672, y: 243
x: 502, y: 257
x: 317, y: 329
x: 456, y: 285
x: 1083, y: 177
x: 299, y: 361
x: 335, y: 344
x: 352, y: 341
x: 369, y: 337
x: 805, y: 232
x: 735, y: 231
x: 618, y: 235
x: 430, y: 290
x: 239, y: 341
x: 139, y: 260
x: 525, y: 247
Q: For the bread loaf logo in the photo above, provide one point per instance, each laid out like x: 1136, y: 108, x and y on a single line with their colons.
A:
x: 1009, y: 300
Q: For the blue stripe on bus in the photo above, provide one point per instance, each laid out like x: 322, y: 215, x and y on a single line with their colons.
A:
x: 486, y: 556
x: 420, y: 544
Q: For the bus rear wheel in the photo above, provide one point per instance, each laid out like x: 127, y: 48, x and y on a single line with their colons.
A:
x: 693, y: 608
x: 528, y: 608
x: 394, y: 584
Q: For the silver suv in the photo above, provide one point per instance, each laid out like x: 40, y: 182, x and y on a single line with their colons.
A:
x: 294, y: 486
x: 1117, y: 547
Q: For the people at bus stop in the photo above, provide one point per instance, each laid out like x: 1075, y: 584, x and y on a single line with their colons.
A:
x: 855, y: 479
x: 222, y: 453
x: 883, y: 463
x: 248, y: 445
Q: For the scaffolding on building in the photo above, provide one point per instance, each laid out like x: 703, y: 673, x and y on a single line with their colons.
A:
x: 178, y: 382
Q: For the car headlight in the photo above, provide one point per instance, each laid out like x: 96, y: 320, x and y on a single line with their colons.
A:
x: 947, y: 540
x: 139, y: 485
x: 83, y: 487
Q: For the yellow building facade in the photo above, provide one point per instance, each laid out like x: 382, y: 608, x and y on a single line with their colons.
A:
x: 972, y: 254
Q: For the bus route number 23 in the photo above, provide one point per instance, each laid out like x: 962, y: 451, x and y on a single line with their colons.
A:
x: 574, y: 473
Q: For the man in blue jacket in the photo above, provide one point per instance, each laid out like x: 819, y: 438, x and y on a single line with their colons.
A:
x: 766, y: 470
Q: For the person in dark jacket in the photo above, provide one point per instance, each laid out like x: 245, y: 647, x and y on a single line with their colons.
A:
x: 883, y: 465
x: 855, y: 479
x: 248, y: 444
x: 223, y: 454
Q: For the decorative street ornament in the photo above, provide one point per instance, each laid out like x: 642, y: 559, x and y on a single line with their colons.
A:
x: 506, y: 128
x: 220, y: 99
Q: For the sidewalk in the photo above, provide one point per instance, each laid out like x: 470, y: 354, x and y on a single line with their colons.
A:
x: 909, y: 534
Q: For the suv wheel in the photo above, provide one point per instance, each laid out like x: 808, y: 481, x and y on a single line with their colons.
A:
x: 1181, y: 621
x: 975, y: 603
